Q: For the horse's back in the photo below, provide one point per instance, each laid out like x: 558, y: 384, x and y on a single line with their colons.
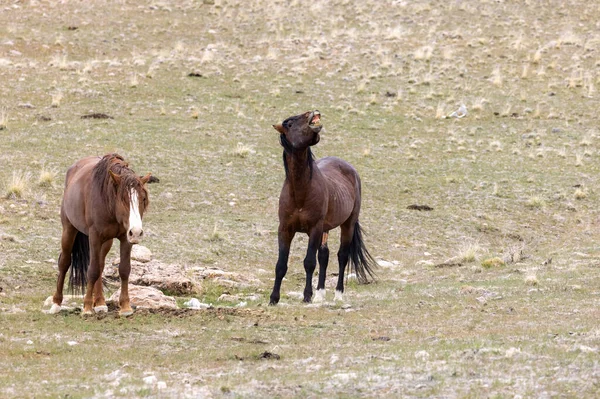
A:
x: 343, y: 186
x: 80, y: 168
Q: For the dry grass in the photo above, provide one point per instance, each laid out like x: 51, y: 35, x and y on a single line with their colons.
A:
x: 17, y: 185
x: 47, y: 177
x: 185, y: 82
x: 3, y: 118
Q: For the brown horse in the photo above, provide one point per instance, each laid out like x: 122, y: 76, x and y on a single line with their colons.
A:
x: 103, y: 200
x: 318, y: 196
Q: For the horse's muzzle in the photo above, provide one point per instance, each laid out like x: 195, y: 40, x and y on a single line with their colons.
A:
x: 134, y: 235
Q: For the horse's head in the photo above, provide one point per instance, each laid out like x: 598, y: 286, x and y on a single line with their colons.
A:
x: 132, y: 202
x: 300, y: 131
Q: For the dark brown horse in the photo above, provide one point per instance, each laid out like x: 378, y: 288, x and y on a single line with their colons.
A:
x: 318, y: 196
x: 103, y: 200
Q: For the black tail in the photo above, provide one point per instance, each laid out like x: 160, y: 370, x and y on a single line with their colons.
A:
x: 362, y: 262
x: 80, y: 260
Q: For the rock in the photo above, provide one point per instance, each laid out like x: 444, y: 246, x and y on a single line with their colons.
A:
x: 422, y: 355
x: 384, y: 263
x: 424, y: 263
x: 146, y: 297
x: 141, y: 254
x: 69, y: 302
x: 228, y: 298
x: 196, y: 304
x: 150, y: 380
x: 227, y: 279
x: 168, y: 277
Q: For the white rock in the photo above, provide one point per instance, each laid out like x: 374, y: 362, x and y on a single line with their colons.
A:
x: 424, y: 263
x: 196, y: 304
x: 510, y: 352
x: 146, y: 297
x: 161, y: 385
x: 72, y: 343
x: 150, y: 380
x: 141, y: 253
x: 384, y: 263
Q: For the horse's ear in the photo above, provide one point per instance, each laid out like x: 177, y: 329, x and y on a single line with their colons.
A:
x: 279, y: 128
x: 146, y: 179
x: 115, y: 177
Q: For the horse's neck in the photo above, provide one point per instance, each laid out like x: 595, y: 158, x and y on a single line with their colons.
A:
x: 301, y: 170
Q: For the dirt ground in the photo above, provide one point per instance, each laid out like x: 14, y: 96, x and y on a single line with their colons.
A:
x: 473, y: 126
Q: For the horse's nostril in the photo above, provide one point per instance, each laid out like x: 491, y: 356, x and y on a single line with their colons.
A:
x: 130, y: 233
x: 141, y: 233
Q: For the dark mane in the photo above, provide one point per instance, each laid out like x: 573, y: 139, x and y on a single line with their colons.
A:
x: 101, y: 178
x: 288, y: 148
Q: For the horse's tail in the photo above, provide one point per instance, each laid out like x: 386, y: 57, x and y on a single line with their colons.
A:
x: 80, y: 260
x: 362, y: 262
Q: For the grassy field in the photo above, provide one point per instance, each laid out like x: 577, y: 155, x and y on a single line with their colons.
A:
x: 495, y: 292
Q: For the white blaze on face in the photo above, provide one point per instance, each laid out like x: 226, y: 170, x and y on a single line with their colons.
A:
x: 135, y: 219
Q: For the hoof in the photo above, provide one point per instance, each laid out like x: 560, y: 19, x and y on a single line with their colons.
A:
x: 320, y: 296
x: 125, y: 313
x: 101, y: 309
x: 87, y: 312
x: 273, y: 300
x: 55, y: 309
x: 339, y: 295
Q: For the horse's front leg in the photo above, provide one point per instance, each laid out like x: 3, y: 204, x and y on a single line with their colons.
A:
x: 99, y: 300
x: 284, y: 238
x: 310, y: 261
x: 124, y: 270
x: 94, y: 272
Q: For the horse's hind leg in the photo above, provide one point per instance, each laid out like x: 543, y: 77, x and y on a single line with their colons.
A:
x: 64, y: 262
x: 310, y: 261
x: 99, y: 300
x: 323, y: 255
x: 94, y: 272
x: 343, y: 256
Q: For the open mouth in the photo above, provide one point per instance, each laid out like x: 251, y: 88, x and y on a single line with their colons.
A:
x: 315, y: 119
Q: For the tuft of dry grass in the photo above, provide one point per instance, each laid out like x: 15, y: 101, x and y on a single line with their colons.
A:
x: 580, y: 193
x: 3, y: 118
x: 17, y: 185
x: 47, y: 177
x: 535, y: 202
x: 531, y: 279
x: 57, y: 97
x: 469, y: 251
x: 242, y: 150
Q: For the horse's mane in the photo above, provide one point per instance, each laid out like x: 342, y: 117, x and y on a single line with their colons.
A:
x: 101, y: 178
x: 289, y: 149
